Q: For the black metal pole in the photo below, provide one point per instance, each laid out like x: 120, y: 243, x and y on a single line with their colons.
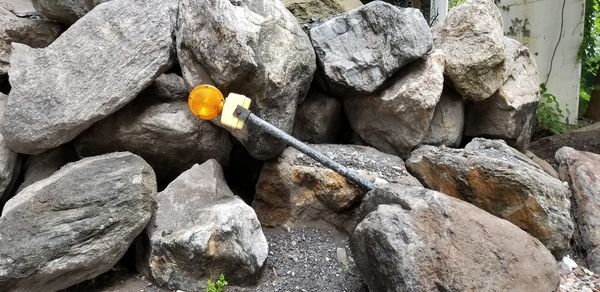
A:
x: 249, y: 117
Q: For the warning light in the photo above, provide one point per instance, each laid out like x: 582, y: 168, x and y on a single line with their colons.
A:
x: 206, y: 102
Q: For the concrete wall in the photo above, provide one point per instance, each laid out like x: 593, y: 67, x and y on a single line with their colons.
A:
x: 536, y: 23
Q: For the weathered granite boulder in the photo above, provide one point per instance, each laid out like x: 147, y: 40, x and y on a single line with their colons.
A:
x: 65, y: 11
x: 41, y: 166
x: 76, y: 223
x: 359, y: 50
x: 502, y: 181
x: 311, y: 13
x: 84, y: 76
x: 472, y: 41
x: 320, y: 119
x: 255, y: 48
x: 509, y: 114
x: 21, y: 8
x: 448, y: 122
x: 582, y: 171
x: 296, y: 189
x: 36, y: 33
x: 200, y: 230
x: 166, y: 134
x: 396, y: 119
x: 9, y: 160
x: 421, y: 240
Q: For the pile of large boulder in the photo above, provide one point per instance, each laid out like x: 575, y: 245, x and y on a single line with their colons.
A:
x: 99, y: 154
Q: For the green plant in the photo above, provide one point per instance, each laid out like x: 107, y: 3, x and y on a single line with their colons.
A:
x: 454, y: 3
x: 548, y: 112
x: 589, y: 52
x: 218, y: 286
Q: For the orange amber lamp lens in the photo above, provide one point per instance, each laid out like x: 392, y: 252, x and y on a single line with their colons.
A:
x: 206, y: 102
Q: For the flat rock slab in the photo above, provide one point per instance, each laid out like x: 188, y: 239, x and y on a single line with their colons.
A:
x: 255, y: 48
x: 200, y: 230
x: 582, y: 171
x: 295, y: 189
x: 77, y: 223
x: 359, y: 50
x: 499, y: 179
x: 98, y: 65
x: 416, y: 239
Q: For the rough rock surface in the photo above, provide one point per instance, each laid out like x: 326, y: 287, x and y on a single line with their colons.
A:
x: 314, y: 12
x: 166, y: 134
x: 77, y: 223
x: 320, y: 119
x: 396, y: 119
x: 9, y: 160
x: 41, y: 166
x: 167, y: 87
x: 502, y: 181
x: 447, y: 124
x: 255, y: 48
x: 472, y: 40
x: 359, y: 50
x: 296, y: 189
x: 199, y: 230
x: 65, y: 11
x: 433, y: 242
x: 36, y: 33
x: 582, y: 171
x: 93, y: 69
x: 509, y: 114
x: 21, y: 8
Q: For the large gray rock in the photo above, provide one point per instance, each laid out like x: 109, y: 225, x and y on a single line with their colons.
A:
x: 166, y: 134
x: 472, y: 40
x: 255, y: 48
x: 296, y: 189
x: 396, y: 119
x: 320, y: 119
x: 65, y: 11
x: 199, y: 230
x: 41, y: 166
x: 36, y: 33
x: 509, y: 114
x: 93, y: 69
x: 359, y: 50
x: 167, y: 87
x: 582, y: 171
x: 21, y: 8
x: 421, y: 240
x: 447, y: 124
x: 502, y: 181
x: 75, y: 224
x: 9, y: 160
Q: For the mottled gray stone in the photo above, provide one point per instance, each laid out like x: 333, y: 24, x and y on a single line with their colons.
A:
x: 93, y: 69
x: 311, y: 13
x: 422, y: 240
x: 396, y: 119
x: 41, y: 166
x: 509, y: 114
x: 9, y: 160
x: 320, y: 119
x: 166, y: 134
x: 296, y: 189
x: 65, y: 11
x: 200, y: 230
x: 21, y: 8
x: 255, y: 48
x: 167, y: 87
x: 447, y: 124
x: 499, y: 179
x: 472, y: 41
x: 359, y: 50
x: 582, y: 171
x: 75, y: 224
x: 36, y: 33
